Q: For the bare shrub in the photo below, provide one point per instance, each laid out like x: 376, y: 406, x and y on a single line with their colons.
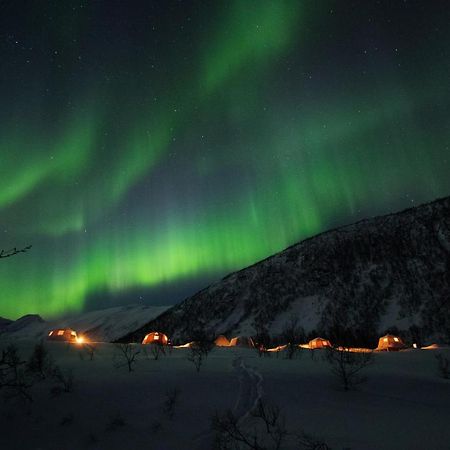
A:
x: 269, y: 431
x: 170, y: 402
x: 65, y: 381
x: 347, y: 366
x: 195, y: 356
x: 292, y: 334
x: 203, y: 340
x: 13, y: 251
x: 155, y: 350
x: 40, y: 362
x: 261, y: 339
x: 13, y: 379
x: 90, y: 350
x: 126, y: 355
x: 308, y: 442
x: 443, y: 364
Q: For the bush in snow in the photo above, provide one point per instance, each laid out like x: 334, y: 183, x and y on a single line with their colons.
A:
x: 195, y: 356
x: 65, y: 381
x: 261, y: 339
x: 443, y: 366
x: 89, y: 350
x: 347, y: 366
x: 203, y: 340
x: 293, y: 334
x: 126, y: 355
x: 267, y: 431
x: 170, y: 402
x: 155, y: 350
x: 13, y: 377
x: 40, y: 362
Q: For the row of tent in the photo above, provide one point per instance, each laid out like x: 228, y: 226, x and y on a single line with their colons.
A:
x: 221, y: 341
x: 386, y: 343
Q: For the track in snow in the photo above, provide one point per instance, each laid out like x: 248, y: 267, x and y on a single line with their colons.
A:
x: 250, y: 392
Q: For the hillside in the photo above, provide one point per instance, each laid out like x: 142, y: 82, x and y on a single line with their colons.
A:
x: 102, y: 325
x: 349, y: 284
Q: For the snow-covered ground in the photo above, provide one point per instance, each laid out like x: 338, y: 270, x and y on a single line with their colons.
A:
x: 403, y: 405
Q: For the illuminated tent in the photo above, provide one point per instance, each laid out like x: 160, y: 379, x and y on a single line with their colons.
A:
x: 155, y: 338
x: 390, y: 343
x: 319, y: 343
x: 63, y: 334
x: 222, y: 341
x: 242, y: 341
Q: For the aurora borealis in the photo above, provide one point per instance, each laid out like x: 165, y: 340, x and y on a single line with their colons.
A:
x: 150, y: 147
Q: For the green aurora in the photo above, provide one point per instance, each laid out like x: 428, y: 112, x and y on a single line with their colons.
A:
x: 173, y: 143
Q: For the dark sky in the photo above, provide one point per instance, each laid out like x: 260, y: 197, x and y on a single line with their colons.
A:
x: 150, y: 147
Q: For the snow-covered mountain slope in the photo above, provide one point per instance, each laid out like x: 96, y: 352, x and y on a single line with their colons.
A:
x: 349, y: 284
x: 102, y: 325
x: 4, y: 323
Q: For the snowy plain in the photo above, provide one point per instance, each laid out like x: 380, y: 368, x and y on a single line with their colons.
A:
x: 403, y: 405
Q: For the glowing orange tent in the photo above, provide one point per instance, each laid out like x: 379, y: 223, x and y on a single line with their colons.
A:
x: 63, y: 334
x: 390, y: 343
x: 319, y: 343
x: 155, y: 338
x: 242, y: 341
x: 222, y: 341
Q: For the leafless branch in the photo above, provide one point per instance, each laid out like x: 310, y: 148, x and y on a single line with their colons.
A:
x: 13, y: 251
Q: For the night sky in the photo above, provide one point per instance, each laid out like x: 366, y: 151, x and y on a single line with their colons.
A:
x: 148, y: 148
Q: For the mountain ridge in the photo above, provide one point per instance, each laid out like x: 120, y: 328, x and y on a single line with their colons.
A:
x: 383, y: 246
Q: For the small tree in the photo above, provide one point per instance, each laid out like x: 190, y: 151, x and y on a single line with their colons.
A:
x: 127, y: 354
x: 347, y: 366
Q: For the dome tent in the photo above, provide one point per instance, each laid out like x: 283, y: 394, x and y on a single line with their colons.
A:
x: 319, y: 342
x: 222, y: 341
x: 63, y: 334
x: 242, y: 341
x: 155, y: 337
x: 390, y: 342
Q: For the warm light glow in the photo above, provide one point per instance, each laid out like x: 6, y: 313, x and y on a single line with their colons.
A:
x: 60, y: 332
x: 385, y: 339
x: 51, y: 332
x: 396, y: 339
x: 80, y: 340
x: 414, y: 345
